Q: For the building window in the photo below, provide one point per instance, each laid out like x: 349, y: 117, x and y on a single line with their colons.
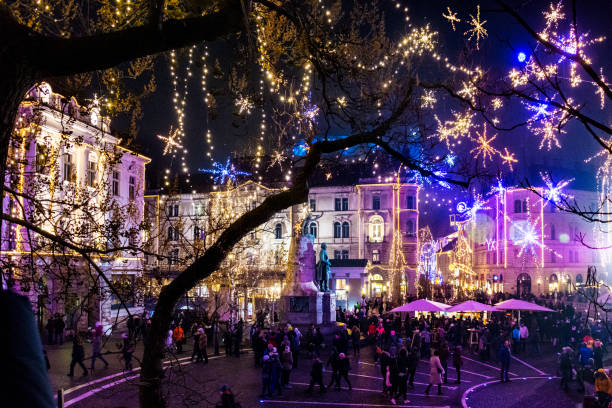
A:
x: 410, y: 228
x: 92, y: 172
x: 341, y: 284
x: 553, y: 233
x: 173, y: 210
x: 115, y: 183
x: 42, y: 159
x: 173, y: 234
x: 345, y: 254
x: 337, y: 254
x: 173, y: 257
x: 132, y: 188
x: 376, y: 228
x: 345, y: 204
x: 410, y: 202
x: 278, y: 231
x: 337, y: 204
x: 571, y: 256
x: 376, y: 202
x: 312, y: 229
x: 524, y: 206
x: 68, y: 167
x: 517, y: 206
x: 337, y: 230
x: 345, y: 230
x: 313, y: 204
x: 375, y: 256
x: 197, y: 233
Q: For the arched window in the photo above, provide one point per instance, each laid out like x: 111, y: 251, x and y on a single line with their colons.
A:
x: 410, y: 228
x: 345, y: 229
x: 376, y: 228
x: 517, y: 206
x: 524, y: 206
x: 312, y: 229
x: 337, y: 230
x: 278, y: 231
x: 553, y: 233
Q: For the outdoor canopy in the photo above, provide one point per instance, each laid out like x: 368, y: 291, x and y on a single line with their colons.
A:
x: 472, y: 306
x: 422, y: 305
x: 517, y: 304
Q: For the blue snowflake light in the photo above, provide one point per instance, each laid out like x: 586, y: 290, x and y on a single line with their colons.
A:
x: 223, y: 173
x: 552, y: 192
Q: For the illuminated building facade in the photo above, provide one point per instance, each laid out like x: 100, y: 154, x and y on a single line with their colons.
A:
x: 82, y: 182
x: 519, y: 242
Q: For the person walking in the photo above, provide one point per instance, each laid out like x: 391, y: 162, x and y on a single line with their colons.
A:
x: 444, y: 357
x: 524, y: 333
x: 96, y: 351
x: 516, y: 339
x: 266, y: 376
x: 355, y: 339
x: 344, y: 366
x: 316, y: 375
x: 413, y: 362
x: 504, y: 357
x: 78, y: 354
x: 50, y: 330
x: 287, y: 364
x: 435, y: 372
x: 565, y: 367
x: 169, y: 341
x: 457, y: 363
x: 127, y: 350
x: 333, y: 361
x: 178, y: 335
x: 59, y: 329
x: 276, y: 372
x: 202, y: 345
x: 402, y: 375
x: 196, y: 344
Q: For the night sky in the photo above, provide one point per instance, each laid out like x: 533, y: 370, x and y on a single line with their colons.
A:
x: 498, y: 53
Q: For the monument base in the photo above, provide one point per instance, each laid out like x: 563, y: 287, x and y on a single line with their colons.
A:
x: 317, y: 308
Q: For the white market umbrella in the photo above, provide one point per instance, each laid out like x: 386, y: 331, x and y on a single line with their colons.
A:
x: 517, y: 304
x: 472, y: 306
x: 422, y: 305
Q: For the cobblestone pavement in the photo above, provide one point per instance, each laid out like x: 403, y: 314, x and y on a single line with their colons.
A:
x: 533, y: 383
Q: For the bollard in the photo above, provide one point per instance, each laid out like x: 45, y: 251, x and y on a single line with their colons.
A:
x: 60, y: 398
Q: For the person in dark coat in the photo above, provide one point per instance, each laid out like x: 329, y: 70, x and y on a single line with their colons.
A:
x: 504, y: 357
x: 402, y: 374
x: 413, y: 362
x: 444, y: 357
x: 565, y: 366
x: 333, y: 362
x: 59, y: 329
x: 50, y: 330
x: 127, y: 350
x: 316, y: 375
x: 356, y: 338
x: 457, y: 363
x: 343, y: 366
x: 78, y: 354
x: 227, y: 398
x: 266, y: 376
x: 196, y: 345
x: 275, y: 380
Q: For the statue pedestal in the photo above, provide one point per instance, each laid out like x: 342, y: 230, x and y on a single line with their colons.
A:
x: 317, y: 308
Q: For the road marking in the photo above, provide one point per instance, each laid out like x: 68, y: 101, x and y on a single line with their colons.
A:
x: 379, y: 391
x: 487, y: 365
x: 414, y: 382
x: 464, y: 397
x: 348, y: 404
x: 96, y: 390
x: 529, y: 365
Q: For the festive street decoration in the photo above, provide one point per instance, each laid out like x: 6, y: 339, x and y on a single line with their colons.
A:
x: 484, y: 147
x: 477, y: 29
x: 223, y: 173
x: 171, y: 143
x: 451, y: 17
x: 554, y: 192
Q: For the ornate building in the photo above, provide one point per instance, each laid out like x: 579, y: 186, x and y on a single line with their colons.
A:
x: 69, y: 177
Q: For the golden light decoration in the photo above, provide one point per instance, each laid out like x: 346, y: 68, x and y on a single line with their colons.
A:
x: 451, y: 17
x: 428, y: 99
x: 341, y: 101
x: 244, y: 105
x: 484, y: 147
x: 477, y: 29
x: 468, y: 91
x: 508, y: 158
x: 170, y: 141
x: 554, y: 14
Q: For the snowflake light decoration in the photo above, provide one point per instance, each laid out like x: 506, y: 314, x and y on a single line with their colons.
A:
x: 554, y: 15
x: 527, y: 238
x: 484, y: 147
x: 477, y: 29
x: 341, y: 101
x: 428, y: 99
x: 508, y: 158
x: 468, y: 91
x: 278, y: 158
x: 243, y: 104
x: 451, y: 17
x: 223, y: 173
x: 170, y: 141
x: 554, y: 192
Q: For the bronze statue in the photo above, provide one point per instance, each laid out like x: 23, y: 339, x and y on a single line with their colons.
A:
x: 323, y: 269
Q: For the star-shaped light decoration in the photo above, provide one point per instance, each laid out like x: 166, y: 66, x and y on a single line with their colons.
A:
x: 170, y: 141
x: 428, y: 99
x: 223, y: 173
x: 554, y: 192
x: 451, y: 17
x: 243, y: 104
x: 468, y: 91
x: 477, y: 29
x: 341, y: 101
x: 278, y: 158
x: 484, y: 147
x: 554, y: 15
x: 508, y: 158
